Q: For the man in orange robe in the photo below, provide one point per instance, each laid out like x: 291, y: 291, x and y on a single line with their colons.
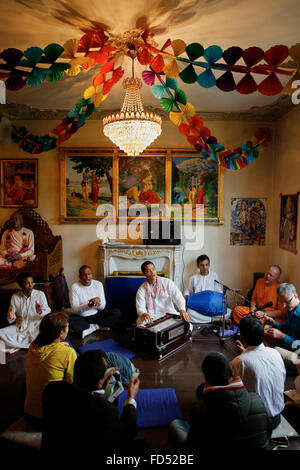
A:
x: 265, y: 291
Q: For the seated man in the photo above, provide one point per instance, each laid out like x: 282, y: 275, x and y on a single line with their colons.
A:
x: 17, y: 244
x: 265, y: 291
x: 156, y: 297
x: 286, y: 336
x: 27, y: 308
x: 86, y: 420
x: 227, y: 416
x: 88, y: 305
x: 260, y: 368
x: 205, y: 280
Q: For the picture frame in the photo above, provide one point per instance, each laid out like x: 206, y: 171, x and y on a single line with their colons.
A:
x: 248, y: 221
x: 86, y: 181
x: 288, y: 222
x: 146, y: 181
x: 19, y: 182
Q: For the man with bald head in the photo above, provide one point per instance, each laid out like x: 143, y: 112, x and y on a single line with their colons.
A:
x: 265, y: 291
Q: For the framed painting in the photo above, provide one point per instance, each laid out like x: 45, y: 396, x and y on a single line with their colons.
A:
x: 157, y: 184
x: 248, y: 221
x: 19, y: 183
x: 288, y: 222
x: 197, y: 181
x: 86, y: 182
x: 143, y: 185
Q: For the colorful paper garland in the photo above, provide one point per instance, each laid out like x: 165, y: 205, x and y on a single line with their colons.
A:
x: 106, y: 50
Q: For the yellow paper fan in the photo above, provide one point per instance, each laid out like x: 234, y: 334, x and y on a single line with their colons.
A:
x: 171, y: 69
x: 178, y: 118
x: 70, y: 48
x: 99, y: 98
x: 89, y: 92
x: 178, y: 46
x: 76, y: 65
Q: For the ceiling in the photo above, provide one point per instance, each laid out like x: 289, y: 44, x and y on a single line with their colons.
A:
x: 225, y: 23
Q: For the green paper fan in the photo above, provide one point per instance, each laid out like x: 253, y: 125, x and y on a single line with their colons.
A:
x: 166, y: 104
x: 73, y: 112
x: 81, y: 120
x: 89, y: 110
x: 194, y: 51
x: 82, y: 102
x: 180, y: 96
x: 188, y: 75
x: 56, y: 72
x: 171, y: 83
x: 158, y: 91
x: 37, y: 76
x: 53, y: 51
x: 33, y: 54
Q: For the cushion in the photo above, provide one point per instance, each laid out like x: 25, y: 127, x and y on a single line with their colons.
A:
x: 284, y: 430
x: 109, y: 345
x: 156, y: 407
x: 207, y: 302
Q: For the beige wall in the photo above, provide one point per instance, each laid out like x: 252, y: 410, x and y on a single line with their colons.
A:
x: 287, y: 181
x: 234, y: 264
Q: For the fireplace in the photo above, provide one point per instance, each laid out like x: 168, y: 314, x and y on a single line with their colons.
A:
x: 128, y: 258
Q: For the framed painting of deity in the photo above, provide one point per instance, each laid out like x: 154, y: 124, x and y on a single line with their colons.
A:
x: 248, y: 221
x: 19, y: 183
x: 288, y: 222
x: 197, y: 183
x: 86, y: 184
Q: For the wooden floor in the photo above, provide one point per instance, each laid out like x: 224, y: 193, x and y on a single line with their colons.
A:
x: 182, y: 371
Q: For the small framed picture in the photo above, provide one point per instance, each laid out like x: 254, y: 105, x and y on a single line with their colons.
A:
x: 19, y: 183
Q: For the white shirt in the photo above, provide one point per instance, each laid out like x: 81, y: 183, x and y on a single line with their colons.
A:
x: 199, y: 283
x: 80, y: 296
x: 27, y: 320
x: 262, y: 370
x: 162, y: 304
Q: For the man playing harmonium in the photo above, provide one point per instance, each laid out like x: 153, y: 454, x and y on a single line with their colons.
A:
x: 157, y: 296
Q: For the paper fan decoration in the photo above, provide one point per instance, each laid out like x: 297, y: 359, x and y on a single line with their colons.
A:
x: 229, y: 70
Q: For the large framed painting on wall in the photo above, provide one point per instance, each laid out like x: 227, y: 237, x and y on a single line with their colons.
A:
x: 86, y: 181
x: 288, y: 222
x: 155, y: 184
x: 19, y: 182
x: 143, y: 185
x: 198, y: 181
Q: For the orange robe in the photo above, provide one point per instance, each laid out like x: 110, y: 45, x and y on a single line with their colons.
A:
x: 261, y: 295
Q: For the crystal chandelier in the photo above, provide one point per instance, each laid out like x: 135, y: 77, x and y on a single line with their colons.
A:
x: 131, y: 129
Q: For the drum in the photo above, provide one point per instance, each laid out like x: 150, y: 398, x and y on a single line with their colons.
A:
x: 207, y: 302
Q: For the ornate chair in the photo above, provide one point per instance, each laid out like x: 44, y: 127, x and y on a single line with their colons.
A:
x: 48, y: 249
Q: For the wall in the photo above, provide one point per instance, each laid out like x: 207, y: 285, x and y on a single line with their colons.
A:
x: 286, y: 181
x: 234, y: 264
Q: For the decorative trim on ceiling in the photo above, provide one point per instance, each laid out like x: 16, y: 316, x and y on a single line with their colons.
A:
x: 268, y: 113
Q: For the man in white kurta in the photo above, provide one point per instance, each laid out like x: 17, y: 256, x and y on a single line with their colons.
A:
x: 17, y: 244
x: 203, y: 281
x: 88, y: 303
x: 26, y: 310
x: 158, y: 296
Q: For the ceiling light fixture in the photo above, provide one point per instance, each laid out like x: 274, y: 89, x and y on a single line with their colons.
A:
x: 131, y: 129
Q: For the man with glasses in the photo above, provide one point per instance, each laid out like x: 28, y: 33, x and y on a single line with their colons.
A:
x: 286, y: 336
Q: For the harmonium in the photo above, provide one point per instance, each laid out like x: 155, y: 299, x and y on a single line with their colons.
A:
x: 163, y: 336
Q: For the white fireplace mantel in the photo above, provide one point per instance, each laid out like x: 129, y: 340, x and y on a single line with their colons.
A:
x: 167, y: 259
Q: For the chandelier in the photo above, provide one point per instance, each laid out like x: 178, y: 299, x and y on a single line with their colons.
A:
x: 131, y: 129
